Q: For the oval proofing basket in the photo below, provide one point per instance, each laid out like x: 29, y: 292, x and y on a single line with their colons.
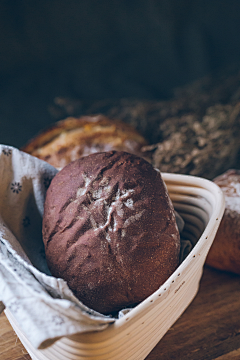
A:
x: 201, y: 204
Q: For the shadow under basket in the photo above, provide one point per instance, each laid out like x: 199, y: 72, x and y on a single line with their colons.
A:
x: 132, y: 337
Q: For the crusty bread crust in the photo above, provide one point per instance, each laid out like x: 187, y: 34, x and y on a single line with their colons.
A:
x: 109, y: 230
x: 225, y: 251
x: 69, y: 139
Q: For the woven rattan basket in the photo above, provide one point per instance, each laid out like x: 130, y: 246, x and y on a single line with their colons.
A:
x: 201, y: 204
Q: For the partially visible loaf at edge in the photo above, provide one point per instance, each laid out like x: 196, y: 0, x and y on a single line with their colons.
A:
x: 69, y: 139
x: 225, y: 251
x: 109, y: 230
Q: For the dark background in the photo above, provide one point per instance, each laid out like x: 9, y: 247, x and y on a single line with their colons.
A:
x: 93, y: 50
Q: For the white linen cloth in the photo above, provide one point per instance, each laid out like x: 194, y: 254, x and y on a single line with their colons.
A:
x: 44, y: 306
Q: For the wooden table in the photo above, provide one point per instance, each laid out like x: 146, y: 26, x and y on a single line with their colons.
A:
x: 209, y: 329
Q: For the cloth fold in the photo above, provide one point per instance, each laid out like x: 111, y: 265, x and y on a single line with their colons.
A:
x: 26, y: 287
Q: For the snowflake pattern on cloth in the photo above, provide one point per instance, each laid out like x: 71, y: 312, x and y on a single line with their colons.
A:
x: 27, y: 288
x: 7, y: 151
x: 16, y: 187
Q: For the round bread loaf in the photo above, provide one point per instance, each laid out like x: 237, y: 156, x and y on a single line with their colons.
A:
x: 225, y: 251
x: 68, y: 140
x: 109, y: 230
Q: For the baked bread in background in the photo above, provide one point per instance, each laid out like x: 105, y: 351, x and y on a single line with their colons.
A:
x: 196, y: 132
x: 225, y: 251
x: 109, y: 230
x: 72, y: 138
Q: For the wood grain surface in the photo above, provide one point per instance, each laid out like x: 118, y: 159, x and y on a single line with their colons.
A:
x: 208, y: 330
x: 10, y: 346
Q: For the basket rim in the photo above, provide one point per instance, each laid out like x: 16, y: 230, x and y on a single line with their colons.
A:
x: 207, y: 236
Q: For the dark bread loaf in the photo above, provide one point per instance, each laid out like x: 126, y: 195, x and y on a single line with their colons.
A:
x: 109, y: 230
x: 68, y: 140
x: 225, y: 251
